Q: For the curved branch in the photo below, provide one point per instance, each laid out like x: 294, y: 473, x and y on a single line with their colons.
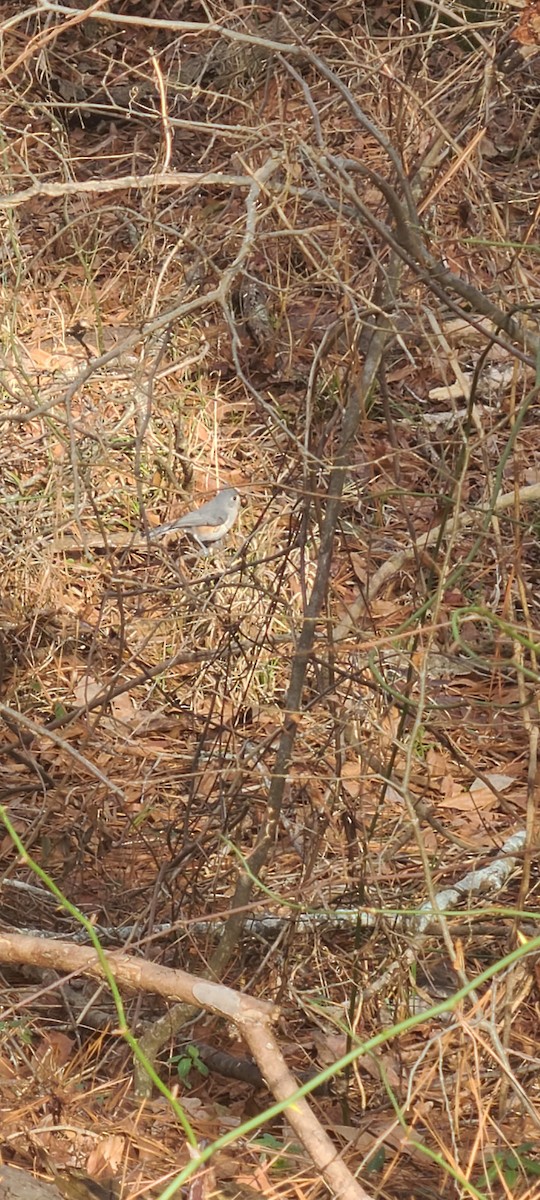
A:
x: 253, y: 1018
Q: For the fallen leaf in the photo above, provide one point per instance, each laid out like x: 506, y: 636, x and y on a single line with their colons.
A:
x: 108, y: 1154
x: 86, y: 689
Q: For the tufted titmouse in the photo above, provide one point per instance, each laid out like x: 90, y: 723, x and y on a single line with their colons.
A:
x: 206, y: 524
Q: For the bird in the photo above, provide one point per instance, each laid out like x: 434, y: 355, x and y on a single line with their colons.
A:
x: 208, y: 523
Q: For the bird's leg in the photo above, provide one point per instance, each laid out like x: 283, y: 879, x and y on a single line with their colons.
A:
x: 203, y: 549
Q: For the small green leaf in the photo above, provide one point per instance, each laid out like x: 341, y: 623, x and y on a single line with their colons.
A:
x: 375, y: 1162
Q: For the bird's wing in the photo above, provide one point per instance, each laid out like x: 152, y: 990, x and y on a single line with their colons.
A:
x: 205, y: 515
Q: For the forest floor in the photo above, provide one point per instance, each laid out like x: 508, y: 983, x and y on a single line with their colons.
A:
x: 189, y: 283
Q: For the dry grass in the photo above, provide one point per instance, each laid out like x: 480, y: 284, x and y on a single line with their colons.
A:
x: 435, y: 684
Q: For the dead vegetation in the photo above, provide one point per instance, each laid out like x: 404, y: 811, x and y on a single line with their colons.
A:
x: 296, y: 253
